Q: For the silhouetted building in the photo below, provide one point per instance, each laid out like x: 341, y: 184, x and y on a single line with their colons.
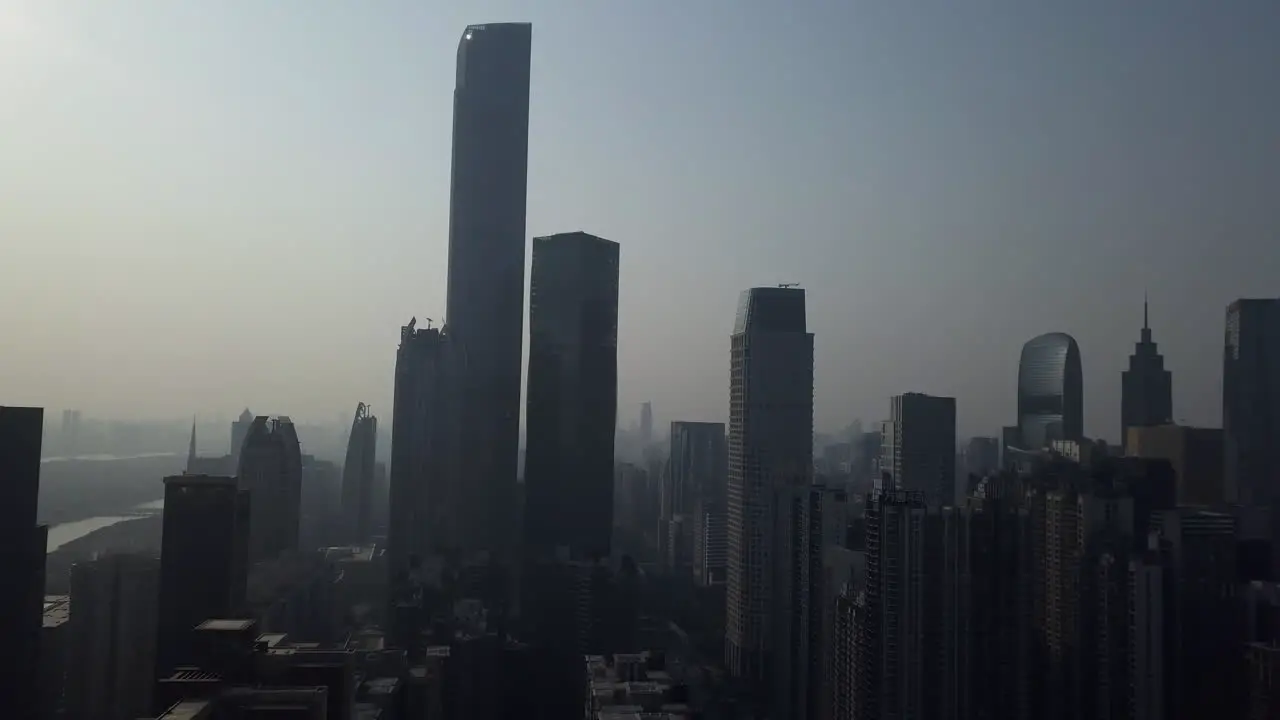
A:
x: 1251, y: 402
x: 646, y: 424
x: 920, y: 454
x: 22, y: 555
x: 54, y: 654
x: 426, y: 516
x: 239, y: 431
x: 1146, y: 388
x: 696, y: 487
x: 572, y: 395
x: 486, y: 270
x: 204, y: 558
x: 770, y: 449
x: 271, y: 470
x: 1050, y: 391
x: 358, y: 476
x: 1194, y: 453
x: 982, y: 456
x: 113, y: 637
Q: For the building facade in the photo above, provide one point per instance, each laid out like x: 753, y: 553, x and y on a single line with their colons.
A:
x: 271, y: 471
x: 572, y: 411
x: 919, y: 451
x: 358, y: 477
x: 485, y: 294
x: 770, y: 449
x: 1251, y: 402
x: 1050, y: 391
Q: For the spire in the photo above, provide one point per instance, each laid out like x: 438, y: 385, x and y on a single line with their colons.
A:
x: 191, y: 449
x: 1145, y: 325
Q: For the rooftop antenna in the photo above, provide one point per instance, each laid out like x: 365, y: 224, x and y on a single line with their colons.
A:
x: 788, y: 285
x: 429, y: 321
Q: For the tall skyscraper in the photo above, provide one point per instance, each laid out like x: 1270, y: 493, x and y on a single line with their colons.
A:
x: 113, y: 637
x: 1251, y: 402
x: 921, y: 453
x: 425, y: 515
x: 204, y: 561
x: 1146, y: 394
x: 573, y: 395
x: 22, y: 555
x: 485, y: 311
x: 271, y: 470
x: 239, y: 431
x: 357, y: 476
x: 770, y: 449
x: 1050, y: 391
x: 646, y: 424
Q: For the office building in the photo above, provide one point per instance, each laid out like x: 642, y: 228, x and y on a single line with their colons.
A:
x: 982, y: 456
x: 204, y: 559
x: 695, y: 489
x: 239, y: 431
x: 1050, y: 391
x: 271, y: 471
x: 358, y: 476
x: 426, y: 515
x: 22, y: 555
x: 646, y: 424
x: 919, y: 453
x: 1196, y: 455
x: 572, y: 406
x: 113, y: 637
x: 770, y: 449
x: 485, y: 294
x: 1251, y: 402
x: 1146, y: 388
x: 710, y: 546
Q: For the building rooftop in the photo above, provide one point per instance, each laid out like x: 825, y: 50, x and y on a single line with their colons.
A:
x: 188, y: 710
x: 225, y: 625
x: 57, y: 610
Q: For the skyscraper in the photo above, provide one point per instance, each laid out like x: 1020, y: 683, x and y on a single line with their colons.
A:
x: 357, y: 476
x: 204, y: 561
x: 921, y: 453
x: 646, y: 424
x: 486, y: 268
x: 22, y: 555
x: 1146, y: 395
x: 695, y: 493
x: 425, y: 516
x: 271, y: 470
x: 1050, y: 391
x: 1251, y: 402
x: 113, y: 637
x: 239, y: 430
x: 770, y: 449
x: 573, y: 395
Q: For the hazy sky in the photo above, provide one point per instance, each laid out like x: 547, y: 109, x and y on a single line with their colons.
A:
x: 205, y: 205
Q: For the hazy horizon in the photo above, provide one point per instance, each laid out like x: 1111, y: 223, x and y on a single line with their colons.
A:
x: 219, y: 205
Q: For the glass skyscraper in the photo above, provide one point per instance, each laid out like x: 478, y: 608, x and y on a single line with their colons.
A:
x: 1050, y: 391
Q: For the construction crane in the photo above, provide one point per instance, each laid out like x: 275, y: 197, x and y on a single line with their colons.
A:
x: 788, y: 285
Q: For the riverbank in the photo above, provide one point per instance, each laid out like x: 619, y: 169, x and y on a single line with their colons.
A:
x: 74, y: 490
x: 139, y: 534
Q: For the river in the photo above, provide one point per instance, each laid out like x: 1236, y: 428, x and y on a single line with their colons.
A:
x: 64, y: 533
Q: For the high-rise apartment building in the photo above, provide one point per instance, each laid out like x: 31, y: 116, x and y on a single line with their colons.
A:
x: 770, y: 449
x: 112, y: 637
x: 572, y: 396
x: 271, y: 470
x: 204, y: 561
x: 357, y: 477
x: 22, y: 555
x: 1146, y: 388
x: 485, y: 295
x: 919, y: 451
x: 426, y: 514
x: 1251, y: 402
x: 1050, y: 391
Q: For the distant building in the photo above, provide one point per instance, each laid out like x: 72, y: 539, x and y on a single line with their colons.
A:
x: 982, y: 456
x: 1195, y: 453
x: 239, y: 431
x: 1050, y: 391
x: 920, y: 454
x: 271, y: 470
x: 22, y: 555
x: 113, y: 637
x: 697, y: 484
x: 54, y: 655
x: 358, y: 477
x: 1251, y: 402
x: 572, y: 396
x: 646, y: 424
x: 1146, y: 388
x: 770, y: 450
x: 204, y: 561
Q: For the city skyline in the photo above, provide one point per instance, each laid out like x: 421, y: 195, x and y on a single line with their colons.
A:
x: 1145, y: 193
